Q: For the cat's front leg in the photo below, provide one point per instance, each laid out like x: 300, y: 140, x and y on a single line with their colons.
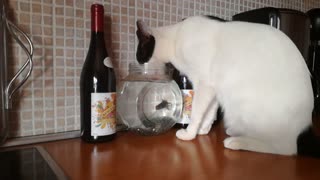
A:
x: 209, y: 118
x: 203, y: 96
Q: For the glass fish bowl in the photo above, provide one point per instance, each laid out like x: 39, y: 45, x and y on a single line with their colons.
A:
x: 149, y: 102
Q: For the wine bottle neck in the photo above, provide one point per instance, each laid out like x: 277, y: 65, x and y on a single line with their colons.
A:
x: 97, y: 36
x: 97, y: 33
x: 97, y: 14
x: 97, y: 39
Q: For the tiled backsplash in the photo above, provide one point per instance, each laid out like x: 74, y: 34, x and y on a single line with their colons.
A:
x: 60, y: 30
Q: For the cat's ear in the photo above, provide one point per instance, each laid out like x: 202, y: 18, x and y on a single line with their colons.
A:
x: 146, y: 42
x: 143, y: 30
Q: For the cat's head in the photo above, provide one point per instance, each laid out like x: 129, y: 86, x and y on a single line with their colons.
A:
x: 146, y: 43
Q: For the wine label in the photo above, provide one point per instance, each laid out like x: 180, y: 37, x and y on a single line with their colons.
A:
x: 107, y: 62
x: 187, y: 106
x: 103, y: 114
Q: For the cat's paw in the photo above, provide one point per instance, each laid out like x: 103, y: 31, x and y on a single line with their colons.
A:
x: 204, y: 131
x: 234, y: 143
x: 183, y: 134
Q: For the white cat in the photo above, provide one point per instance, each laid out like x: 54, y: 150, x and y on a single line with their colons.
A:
x: 253, y: 71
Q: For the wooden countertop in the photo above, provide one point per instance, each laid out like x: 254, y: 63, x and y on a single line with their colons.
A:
x: 131, y: 156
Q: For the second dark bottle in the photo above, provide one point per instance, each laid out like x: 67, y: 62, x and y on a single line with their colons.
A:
x: 187, y: 93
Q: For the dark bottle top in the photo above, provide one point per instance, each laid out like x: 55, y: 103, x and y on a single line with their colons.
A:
x: 97, y: 86
x: 187, y: 93
x: 182, y: 80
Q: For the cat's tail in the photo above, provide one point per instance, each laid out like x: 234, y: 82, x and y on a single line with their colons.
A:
x: 309, y: 141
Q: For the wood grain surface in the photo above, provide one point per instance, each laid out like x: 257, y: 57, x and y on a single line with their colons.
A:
x: 163, y: 157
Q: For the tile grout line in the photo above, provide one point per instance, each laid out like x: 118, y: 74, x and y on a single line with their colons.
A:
x: 205, y: 7
x: 157, y: 20
x: 164, y: 15
x: 21, y: 133
x: 44, y: 66
x: 54, y: 57
x: 65, y: 65
x: 128, y: 35
x: 177, y: 12
x: 32, y: 84
x: 135, y: 20
x: 170, y: 12
x: 194, y: 8
x: 182, y: 13
x: 120, y: 30
x: 75, y: 83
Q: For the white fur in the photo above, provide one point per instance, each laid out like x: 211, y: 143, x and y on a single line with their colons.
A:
x: 253, y: 71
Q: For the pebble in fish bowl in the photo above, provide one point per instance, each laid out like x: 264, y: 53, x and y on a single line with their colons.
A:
x: 149, y: 101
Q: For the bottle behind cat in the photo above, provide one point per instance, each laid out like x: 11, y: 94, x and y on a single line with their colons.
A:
x: 187, y: 93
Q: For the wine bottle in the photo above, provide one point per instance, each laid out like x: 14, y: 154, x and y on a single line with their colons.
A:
x: 187, y: 93
x: 97, y: 86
